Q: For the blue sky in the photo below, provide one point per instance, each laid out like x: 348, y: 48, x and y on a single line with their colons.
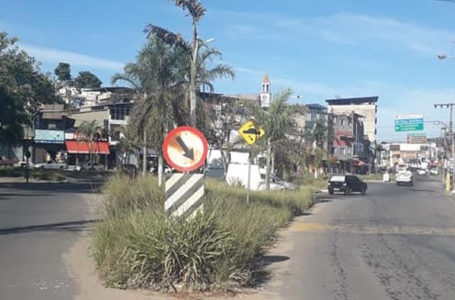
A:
x: 320, y: 49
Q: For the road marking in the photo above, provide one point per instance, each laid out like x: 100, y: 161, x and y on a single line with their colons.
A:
x: 370, y: 229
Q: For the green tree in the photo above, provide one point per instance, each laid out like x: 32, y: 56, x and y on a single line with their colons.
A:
x: 90, y: 130
x: 63, y: 72
x: 277, y: 122
x: 88, y: 80
x: 24, y: 89
x: 12, y: 117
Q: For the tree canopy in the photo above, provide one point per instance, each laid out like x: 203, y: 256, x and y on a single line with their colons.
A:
x: 63, y: 71
x: 23, y: 89
x: 87, y: 79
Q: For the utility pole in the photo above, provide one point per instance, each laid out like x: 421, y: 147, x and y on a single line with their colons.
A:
x: 450, y: 106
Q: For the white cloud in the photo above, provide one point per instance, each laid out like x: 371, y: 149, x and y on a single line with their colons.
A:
x: 340, y: 28
x: 54, y: 56
x: 357, y: 29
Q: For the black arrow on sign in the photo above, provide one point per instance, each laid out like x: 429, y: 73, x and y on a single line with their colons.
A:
x: 251, y: 131
x: 186, y: 151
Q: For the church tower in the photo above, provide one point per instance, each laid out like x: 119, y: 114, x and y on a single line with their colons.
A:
x: 266, y: 94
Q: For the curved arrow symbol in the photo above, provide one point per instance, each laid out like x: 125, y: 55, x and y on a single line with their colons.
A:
x: 187, y: 152
x: 251, y: 131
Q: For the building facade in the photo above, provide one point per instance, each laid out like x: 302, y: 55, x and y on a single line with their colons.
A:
x: 364, y: 106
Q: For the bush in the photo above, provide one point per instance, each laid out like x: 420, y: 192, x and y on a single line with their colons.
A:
x: 138, y: 246
x: 11, y: 172
x: 124, y: 194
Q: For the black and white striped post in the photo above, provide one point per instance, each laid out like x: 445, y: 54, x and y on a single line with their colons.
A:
x: 185, y: 150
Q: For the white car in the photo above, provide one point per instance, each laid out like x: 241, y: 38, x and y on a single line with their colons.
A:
x: 434, y: 171
x: 276, y: 183
x: 52, y: 166
x: 404, y: 178
x: 421, y: 172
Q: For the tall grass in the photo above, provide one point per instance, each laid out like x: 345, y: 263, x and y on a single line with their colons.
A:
x: 138, y: 246
x: 124, y: 194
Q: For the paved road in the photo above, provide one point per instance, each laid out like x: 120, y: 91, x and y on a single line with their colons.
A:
x: 394, y: 243
x: 38, y: 224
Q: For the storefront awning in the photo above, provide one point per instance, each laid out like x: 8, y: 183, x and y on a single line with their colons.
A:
x: 83, y: 147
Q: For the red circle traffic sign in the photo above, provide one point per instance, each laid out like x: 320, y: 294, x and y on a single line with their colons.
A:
x: 185, y: 149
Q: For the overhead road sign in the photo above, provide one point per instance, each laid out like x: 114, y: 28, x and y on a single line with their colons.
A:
x: 251, y: 132
x: 185, y: 149
x: 409, y: 123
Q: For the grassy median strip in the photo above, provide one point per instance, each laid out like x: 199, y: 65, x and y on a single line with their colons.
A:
x: 49, y: 175
x: 138, y: 246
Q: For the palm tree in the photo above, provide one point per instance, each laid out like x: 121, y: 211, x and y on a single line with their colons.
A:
x: 90, y: 130
x: 153, y: 76
x: 127, y: 143
x: 159, y: 78
x: 277, y: 122
x: 196, y: 11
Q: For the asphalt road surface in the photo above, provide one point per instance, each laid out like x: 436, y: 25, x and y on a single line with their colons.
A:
x: 394, y: 243
x: 38, y: 224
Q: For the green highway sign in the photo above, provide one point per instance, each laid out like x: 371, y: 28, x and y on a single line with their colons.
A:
x: 408, y: 124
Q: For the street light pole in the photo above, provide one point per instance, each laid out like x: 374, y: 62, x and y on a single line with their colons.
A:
x: 450, y: 106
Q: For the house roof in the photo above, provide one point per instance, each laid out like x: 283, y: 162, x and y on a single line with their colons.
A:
x: 52, y: 107
x: 110, y: 89
x: 345, y: 101
x: 315, y: 106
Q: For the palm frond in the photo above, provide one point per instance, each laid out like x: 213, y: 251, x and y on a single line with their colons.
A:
x: 169, y: 37
x: 194, y: 7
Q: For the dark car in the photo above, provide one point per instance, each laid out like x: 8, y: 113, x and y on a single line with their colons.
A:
x: 346, y: 184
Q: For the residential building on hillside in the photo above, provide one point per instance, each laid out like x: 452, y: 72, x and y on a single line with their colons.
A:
x: 364, y: 106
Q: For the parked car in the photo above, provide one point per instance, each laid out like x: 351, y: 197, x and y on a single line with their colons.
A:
x: 404, y: 178
x: 434, y: 171
x: 346, y: 184
x: 50, y: 166
x: 421, y: 172
x: 7, y: 161
x: 276, y: 183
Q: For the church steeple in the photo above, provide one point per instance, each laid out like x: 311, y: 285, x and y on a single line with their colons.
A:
x: 266, y: 94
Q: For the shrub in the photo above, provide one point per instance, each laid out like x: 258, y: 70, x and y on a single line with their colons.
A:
x: 123, y: 194
x: 11, y: 172
x: 138, y: 246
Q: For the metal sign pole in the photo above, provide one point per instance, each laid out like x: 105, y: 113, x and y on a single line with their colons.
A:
x: 249, y: 177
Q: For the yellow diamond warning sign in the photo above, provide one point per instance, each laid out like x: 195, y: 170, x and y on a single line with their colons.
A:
x: 251, y: 132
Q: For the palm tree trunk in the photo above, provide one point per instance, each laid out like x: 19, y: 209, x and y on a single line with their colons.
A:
x: 160, y: 159
x: 90, y: 151
x: 272, y: 168
x: 144, y: 155
x: 268, y: 158
x: 193, y: 76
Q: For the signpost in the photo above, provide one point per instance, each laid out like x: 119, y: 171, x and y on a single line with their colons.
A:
x: 408, y: 123
x: 185, y: 150
x: 251, y: 133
